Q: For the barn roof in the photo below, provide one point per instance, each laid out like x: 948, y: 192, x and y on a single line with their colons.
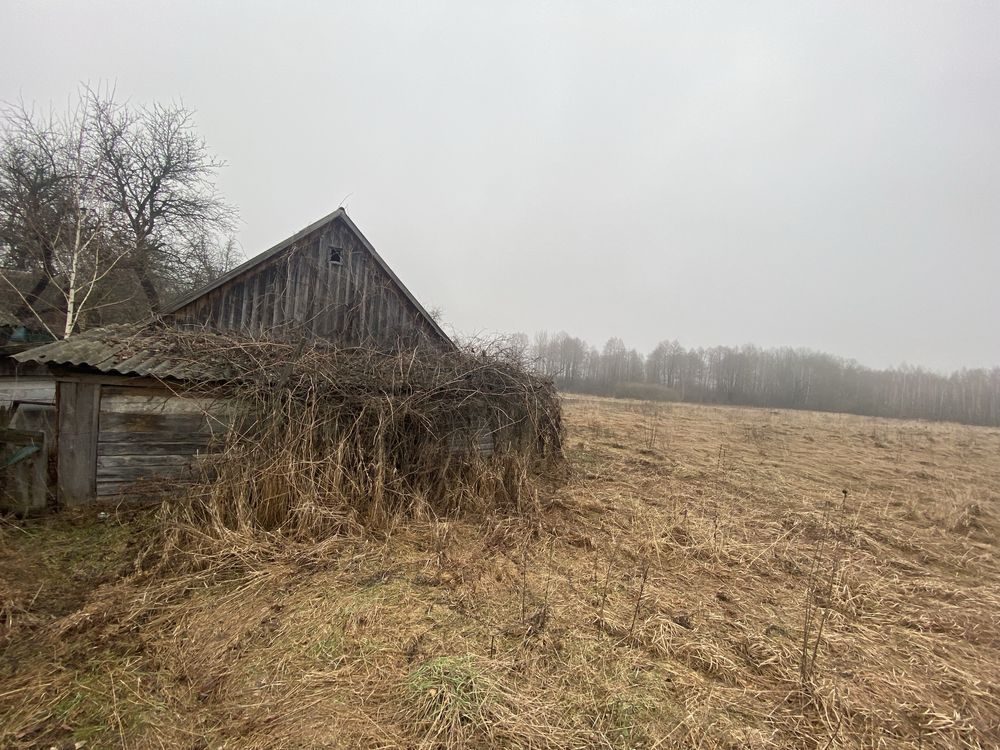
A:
x: 341, y: 214
x: 143, y: 349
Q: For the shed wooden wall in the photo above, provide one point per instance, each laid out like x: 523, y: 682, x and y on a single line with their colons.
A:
x: 37, y: 390
x: 112, y: 434
x: 149, y: 432
x: 301, y: 290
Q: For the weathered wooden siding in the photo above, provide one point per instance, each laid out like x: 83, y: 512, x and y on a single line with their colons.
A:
x: 34, y: 389
x: 150, y: 432
x: 33, y: 480
x: 23, y: 477
x: 111, y: 435
x: 301, y: 290
x: 77, y: 415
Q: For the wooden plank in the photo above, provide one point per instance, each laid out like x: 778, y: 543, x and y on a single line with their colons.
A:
x: 147, y: 437
x: 320, y: 268
x: 212, y: 300
x: 288, y: 306
x: 133, y: 473
x: 266, y: 295
x: 78, y: 413
x: 253, y: 294
x: 363, y: 315
x: 21, y: 437
x: 176, y: 424
x: 232, y: 295
x: 314, y: 265
x: 235, y: 304
x: 298, y: 299
x: 392, y: 318
x: 113, y: 488
x: 219, y: 306
x: 151, y: 448
x: 126, y: 380
x: 303, y: 295
x: 153, y: 401
x: 224, y: 300
x: 240, y: 307
x: 28, y: 389
x: 111, y: 391
x: 321, y: 298
x: 140, y: 460
x: 287, y: 299
x: 219, y: 317
x: 275, y: 278
x: 380, y: 316
x: 293, y: 314
x: 328, y: 301
x: 263, y: 312
x: 339, y: 296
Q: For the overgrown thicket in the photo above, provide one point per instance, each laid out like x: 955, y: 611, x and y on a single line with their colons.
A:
x: 750, y: 376
x: 321, y: 439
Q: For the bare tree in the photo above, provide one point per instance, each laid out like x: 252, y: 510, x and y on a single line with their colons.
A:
x: 159, y: 177
x: 30, y: 199
x: 107, y: 203
x: 53, y: 219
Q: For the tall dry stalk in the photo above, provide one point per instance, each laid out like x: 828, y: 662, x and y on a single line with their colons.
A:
x: 823, y: 571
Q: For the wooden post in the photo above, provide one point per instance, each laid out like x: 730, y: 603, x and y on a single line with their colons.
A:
x: 78, y: 406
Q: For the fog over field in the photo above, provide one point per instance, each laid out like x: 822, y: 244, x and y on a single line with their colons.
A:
x: 666, y: 413
x: 781, y: 173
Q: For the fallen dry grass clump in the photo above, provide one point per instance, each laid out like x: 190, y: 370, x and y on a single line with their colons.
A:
x: 700, y: 580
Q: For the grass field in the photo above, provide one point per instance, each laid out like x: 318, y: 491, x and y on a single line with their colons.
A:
x: 703, y: 577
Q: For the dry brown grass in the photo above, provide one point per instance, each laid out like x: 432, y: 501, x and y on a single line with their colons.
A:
x: 700, y: 581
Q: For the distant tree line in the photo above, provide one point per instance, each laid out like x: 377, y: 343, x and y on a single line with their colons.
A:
x: 750, y: 376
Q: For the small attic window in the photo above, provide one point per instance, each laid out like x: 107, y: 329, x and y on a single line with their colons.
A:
x: 336, y: 256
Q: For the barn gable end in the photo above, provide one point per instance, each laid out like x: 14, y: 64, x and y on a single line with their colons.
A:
x: 325, y: 282
x: 120, y: 415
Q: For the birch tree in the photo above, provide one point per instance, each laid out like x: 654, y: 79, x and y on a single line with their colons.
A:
x: 53, y: 217
x: 108, y: 203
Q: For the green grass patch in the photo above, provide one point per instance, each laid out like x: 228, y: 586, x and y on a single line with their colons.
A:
x: 452, y: 698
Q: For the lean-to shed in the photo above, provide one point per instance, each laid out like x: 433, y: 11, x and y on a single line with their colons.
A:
x: 119, y: 413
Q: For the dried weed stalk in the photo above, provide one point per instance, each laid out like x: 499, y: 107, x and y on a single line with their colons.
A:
x: 317, y: 440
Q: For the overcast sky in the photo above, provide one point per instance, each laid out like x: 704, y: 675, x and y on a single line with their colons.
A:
x: 807, y: 174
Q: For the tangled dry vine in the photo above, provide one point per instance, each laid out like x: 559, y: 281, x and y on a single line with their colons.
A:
x: 314, y: 439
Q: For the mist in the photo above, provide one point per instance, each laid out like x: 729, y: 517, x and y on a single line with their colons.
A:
x: 821, y: 175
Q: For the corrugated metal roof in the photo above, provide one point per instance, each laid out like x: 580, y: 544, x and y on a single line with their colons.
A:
x: 145, y: 350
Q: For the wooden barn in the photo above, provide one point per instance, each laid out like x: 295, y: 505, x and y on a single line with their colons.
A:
x: 119, y: 413
x: 325, y: 282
